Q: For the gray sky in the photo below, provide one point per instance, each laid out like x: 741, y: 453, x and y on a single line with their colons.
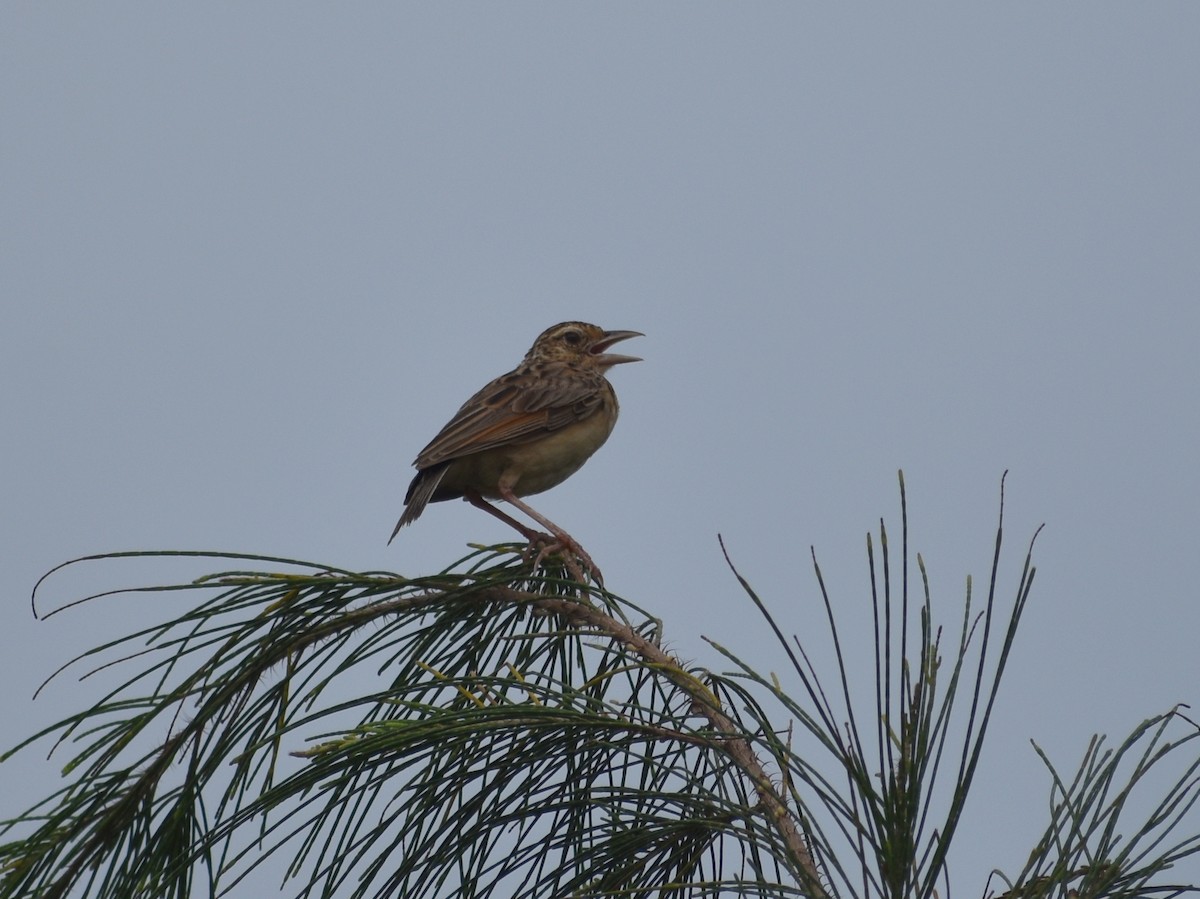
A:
x: 251, y: 260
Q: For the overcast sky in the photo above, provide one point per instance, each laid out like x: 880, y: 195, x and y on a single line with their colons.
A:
x: 252, y: 257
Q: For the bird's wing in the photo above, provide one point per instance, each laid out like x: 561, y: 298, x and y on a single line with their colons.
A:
x: 512, y: 409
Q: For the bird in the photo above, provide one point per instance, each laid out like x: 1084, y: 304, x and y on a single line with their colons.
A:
x: 526, y: 432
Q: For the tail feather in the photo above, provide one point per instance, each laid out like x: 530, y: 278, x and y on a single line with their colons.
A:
x: 419, y: 493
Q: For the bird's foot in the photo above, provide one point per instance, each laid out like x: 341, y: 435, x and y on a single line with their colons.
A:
x: 574, y: 557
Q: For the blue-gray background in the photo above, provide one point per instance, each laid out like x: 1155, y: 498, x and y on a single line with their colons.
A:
x: 253, y: 257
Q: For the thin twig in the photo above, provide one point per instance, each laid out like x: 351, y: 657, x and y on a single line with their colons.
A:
x: 737, y: 747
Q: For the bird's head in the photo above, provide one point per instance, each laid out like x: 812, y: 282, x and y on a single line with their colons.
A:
x: 580, y: 343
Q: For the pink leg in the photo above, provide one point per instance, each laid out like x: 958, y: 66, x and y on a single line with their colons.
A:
x: 480, y: 503
x: 562, y: 540
x: 556, y: 540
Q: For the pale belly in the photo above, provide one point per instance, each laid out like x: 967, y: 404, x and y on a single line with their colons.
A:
x: 533, y: 467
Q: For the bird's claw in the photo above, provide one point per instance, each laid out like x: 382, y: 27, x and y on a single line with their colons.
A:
x: 574, y: 556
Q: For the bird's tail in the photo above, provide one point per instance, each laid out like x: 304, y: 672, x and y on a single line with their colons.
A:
x: 419, y: 493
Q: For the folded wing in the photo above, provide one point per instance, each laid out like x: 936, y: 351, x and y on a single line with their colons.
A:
x: 512, y: 409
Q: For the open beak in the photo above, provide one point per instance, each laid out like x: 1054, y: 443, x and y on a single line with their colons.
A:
x: 611, y: 337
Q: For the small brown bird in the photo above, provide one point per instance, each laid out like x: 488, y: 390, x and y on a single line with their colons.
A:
x: 525, y: 432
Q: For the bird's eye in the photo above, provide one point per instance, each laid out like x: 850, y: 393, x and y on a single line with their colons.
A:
x: 573, y: 338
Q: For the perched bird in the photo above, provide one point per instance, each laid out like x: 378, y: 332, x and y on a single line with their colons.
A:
x: 525, y: 432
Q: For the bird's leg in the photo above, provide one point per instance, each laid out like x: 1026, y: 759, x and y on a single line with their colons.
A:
x: 539, y: 544
x: 545, y: 544
x: 480, y: 503
x: 562, y: 540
